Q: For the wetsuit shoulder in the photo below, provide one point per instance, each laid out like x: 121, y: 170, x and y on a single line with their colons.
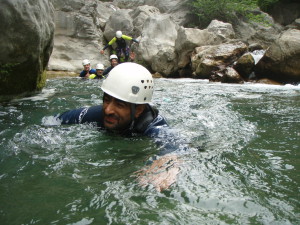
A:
x: 82, y: 73
x: 92, y: 71
x: 149, y: 121
x: 107, y: 70
x: 83, y: 115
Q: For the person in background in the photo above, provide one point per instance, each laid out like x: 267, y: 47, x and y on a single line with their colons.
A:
x: 113, y: 62
x: 87, y: 71
x: 126, y: 111
x: 99, y: 72
x: 122, y: 46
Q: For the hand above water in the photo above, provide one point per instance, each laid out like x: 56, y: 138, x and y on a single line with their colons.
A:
x: 161, y: 173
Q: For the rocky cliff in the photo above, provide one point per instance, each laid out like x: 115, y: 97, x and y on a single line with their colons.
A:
x: 167, y: 46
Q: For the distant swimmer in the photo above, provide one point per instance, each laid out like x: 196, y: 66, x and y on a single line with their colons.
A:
x: 87, y: 71
x: 122, y: 46
x: 99, y: 72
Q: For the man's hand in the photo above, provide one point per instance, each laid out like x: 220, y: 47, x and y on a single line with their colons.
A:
x: 161, y: 173
x: 132, y: 56
x: 102, y: 52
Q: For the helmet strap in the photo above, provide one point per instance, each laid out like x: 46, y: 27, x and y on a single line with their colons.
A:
x: 132, y: 114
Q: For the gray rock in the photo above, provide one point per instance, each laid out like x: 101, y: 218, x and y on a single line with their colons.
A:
x: 245, y: 65
x: 281, y: 61
x: 140, y: 15
x: 190, y: 38
x: 224, y: 30
x: 158, y: 36
x: 264, y: 34
x: 25, y: 44
x: 79, y: 34
x: 208, y: 59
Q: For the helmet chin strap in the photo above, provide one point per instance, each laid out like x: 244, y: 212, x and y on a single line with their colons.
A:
x: 132, y: 114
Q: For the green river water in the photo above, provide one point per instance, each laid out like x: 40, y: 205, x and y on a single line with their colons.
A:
x: 241, y: 164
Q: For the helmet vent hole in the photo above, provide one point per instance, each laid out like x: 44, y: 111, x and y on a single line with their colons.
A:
x: 145, y: 99
x: 142, y: 81
x: 145, y: 87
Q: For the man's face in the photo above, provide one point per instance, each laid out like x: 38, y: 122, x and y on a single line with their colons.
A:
x: 114, y: 62
x: 87, y: 67
x: 117, y: 113
x: 99, y: 72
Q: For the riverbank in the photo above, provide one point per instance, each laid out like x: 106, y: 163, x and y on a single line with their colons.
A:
x: 60, y: 74
x: 55, y: 74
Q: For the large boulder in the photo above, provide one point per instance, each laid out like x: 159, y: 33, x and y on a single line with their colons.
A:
x: 245, y: 65
x: 255, y: 32
x: 25, y: 44
x: 221, y: 29
x: 119, y: 20
x: 140, y: 15
x: 281, y: 60
x: 190, y: 38
x: 178, y: 9
x: 187, y: 40
x: 157, y: 45
x: 209, y: 59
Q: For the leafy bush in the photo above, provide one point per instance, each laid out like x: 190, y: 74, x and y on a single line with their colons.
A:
x: 226, y: 10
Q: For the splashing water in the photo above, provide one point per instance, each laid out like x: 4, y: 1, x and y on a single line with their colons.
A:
x: 241, y: 165
x: 257, y: 55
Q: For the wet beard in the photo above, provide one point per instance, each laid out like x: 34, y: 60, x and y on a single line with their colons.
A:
x: 122, y: 130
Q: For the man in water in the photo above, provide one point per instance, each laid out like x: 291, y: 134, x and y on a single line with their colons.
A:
x: 128, y: 90
x: 99, y: 72
x: 87, y: 71
x: 120, y: 39
x: 113, y: 62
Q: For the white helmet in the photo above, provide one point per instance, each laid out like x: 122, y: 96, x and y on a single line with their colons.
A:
x: 129, y: 82
x: 99, y: 66
x: 119, y: 34
x: 85, y: 62
x: 113, y: 57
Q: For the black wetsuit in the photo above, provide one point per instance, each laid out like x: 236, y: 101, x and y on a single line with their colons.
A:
x: 148, y: 123
x: 107, y: 70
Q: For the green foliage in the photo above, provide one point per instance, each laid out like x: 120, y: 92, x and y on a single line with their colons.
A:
x: 41, y: 82
x: 207, y: 10
x: 226, y: 10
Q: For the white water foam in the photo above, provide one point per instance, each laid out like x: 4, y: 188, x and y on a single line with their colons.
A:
x: 45, y: 93
x: 51, y: 121
x: 257, y: 55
